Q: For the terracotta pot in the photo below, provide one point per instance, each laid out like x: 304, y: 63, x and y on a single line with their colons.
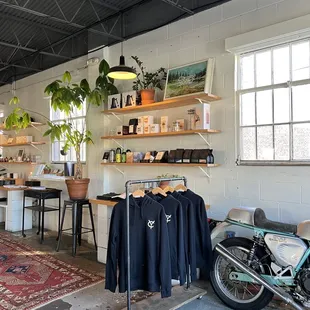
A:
x: 147, y: 96
x: 77, y: 189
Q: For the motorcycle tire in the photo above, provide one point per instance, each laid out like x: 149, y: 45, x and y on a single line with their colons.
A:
x: 266, y: 296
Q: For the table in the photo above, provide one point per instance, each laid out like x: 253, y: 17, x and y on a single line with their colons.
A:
x: 41, y: 196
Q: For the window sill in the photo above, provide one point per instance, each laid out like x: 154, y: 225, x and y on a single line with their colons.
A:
x: 274, y: 163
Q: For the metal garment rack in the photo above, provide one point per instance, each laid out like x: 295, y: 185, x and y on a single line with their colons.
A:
x: 127, y: 185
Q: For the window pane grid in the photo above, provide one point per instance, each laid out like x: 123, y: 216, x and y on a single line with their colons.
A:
x: 78, y: 117
x: 276, y: 126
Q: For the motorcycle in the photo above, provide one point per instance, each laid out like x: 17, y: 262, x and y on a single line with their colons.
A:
x: 247, y: 273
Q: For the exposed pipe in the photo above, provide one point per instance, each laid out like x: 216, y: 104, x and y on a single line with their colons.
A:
x: 253, y: 274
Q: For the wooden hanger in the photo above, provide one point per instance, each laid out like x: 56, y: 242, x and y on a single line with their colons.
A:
x: 181, y: 188
x: 158, y: 190
x: 138, y: 193
x: 168, y: 189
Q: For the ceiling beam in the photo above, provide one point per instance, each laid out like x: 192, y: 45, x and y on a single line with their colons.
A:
x: 106, y: 5
x: 32, y: 23
x: 32, y: 50
x: 56, y: 19
x: 179, y: 6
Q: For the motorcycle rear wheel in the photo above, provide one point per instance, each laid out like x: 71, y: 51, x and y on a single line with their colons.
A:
x: 228, y: 290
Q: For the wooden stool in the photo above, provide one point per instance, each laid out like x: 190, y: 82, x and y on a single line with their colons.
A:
x: 77, y: 227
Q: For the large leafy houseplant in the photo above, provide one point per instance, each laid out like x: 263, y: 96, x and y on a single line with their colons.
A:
x: 146, y: 82
x: 67, y: 97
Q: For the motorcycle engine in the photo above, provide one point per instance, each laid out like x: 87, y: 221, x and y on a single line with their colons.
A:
x: 304, y: 281
x: 287, y: 251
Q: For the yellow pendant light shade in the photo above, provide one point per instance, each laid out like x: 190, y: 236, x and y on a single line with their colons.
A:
x: 122, y: 72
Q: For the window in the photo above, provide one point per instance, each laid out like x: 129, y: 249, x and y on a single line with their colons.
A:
x: 79, y: 120
x: 274, y: 105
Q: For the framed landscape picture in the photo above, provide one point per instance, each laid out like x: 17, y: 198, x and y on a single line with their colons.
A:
x: 195, y: 78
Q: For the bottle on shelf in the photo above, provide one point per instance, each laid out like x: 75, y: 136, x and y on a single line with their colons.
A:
x: 124, y: 157
x: 118, y: 155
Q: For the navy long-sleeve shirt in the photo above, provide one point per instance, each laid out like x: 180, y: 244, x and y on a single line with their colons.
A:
x: 174, y: 218
x: 202, y: 231
x: 149, y: 248
x: 189, y: 233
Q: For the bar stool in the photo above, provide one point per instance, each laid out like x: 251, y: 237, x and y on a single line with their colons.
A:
x: 77, y: 220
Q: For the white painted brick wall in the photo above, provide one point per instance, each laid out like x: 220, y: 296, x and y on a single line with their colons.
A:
x: 281, y: 191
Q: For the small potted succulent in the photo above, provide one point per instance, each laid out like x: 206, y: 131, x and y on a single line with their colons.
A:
x: 146, y: 82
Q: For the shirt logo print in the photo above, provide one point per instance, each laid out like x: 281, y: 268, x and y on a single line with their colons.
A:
x: 150, y: 224
x: 168, y: 218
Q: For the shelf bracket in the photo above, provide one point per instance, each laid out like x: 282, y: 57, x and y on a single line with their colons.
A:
x: 203, y: 138
x: 34, y: 146
x: 119, y: 170
x: 205, y: 172
x: 120, y: 145
x: 36, y: 128
x: 116, y: 116
x: 202, y: 101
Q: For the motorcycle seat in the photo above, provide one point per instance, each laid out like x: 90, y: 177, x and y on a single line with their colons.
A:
x: 261, y: 221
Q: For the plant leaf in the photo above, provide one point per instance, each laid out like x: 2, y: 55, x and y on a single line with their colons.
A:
x: 104, y: 67
x: 66, y: 77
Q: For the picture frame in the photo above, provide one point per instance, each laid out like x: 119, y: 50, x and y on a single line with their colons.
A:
x: 114, y: 101
x: 129, y: 99
x: 191, y: 79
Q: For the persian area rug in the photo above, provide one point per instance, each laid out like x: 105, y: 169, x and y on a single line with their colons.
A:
x: 30, y: 278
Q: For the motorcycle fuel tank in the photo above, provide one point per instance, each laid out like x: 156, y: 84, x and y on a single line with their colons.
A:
x: 287, y: 251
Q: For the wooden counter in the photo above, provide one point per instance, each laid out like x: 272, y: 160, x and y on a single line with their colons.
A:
x: 2, y: 188
x: 110, y: 203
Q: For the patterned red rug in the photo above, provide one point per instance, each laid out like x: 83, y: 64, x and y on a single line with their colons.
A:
x: 29, y: 278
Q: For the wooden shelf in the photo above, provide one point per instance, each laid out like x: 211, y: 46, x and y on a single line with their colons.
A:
x: 111, y: 203
x: 162, y: 134
x: 161, y: 164
x: 33, y: 124
x: 18, y: 163
x: 166, y: 104
x: 21, y: 144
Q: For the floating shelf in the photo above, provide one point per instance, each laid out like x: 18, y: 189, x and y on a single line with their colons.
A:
x: 166, y: 104
x: 20, y: 144
x: 33, y: 124
x: 162, y: 134
x: 111, y: 203
x: 162, y: 164
x: 18, y: 163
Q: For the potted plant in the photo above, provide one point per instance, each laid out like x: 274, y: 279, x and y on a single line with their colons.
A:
x: 146, y: 82
x: 65, y: 97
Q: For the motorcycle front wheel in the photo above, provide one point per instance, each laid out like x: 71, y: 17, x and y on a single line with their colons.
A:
x: 238, y: 294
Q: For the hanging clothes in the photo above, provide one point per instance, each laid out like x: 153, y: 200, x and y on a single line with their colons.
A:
x: 202, y: 231
x: 189, y: 233
x: 174, y: 218
x: 149, y: 248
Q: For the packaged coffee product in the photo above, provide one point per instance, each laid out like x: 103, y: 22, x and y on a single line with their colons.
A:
x: 195, y: 156
x: 172, y: 156
x: 179, y: 155
x: 187, y: 156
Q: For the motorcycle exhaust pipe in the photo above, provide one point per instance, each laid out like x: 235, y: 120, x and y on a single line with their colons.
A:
x: 253, y: 274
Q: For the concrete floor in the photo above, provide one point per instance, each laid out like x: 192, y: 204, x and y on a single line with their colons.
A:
x: 96, y: 297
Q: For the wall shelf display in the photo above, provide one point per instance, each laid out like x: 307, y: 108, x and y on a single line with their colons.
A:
x: 21, y: 144
x: 162, y: 164
x: 166, y: 104
x: 33, y: 124
x: 162, y: 134
x: 17, y: 163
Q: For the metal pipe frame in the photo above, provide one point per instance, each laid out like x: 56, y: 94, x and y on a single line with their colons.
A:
x: 127, y: 185
x: 253, y: 274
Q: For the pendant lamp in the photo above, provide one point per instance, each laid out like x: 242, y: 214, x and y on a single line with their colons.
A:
x: 122, y: 72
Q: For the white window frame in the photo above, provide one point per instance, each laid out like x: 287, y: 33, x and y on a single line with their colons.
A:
x: 266, y: 37
x: 83, y: 150
x: 289, y: 85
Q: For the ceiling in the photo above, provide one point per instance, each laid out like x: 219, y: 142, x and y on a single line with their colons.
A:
x: 39, y: 34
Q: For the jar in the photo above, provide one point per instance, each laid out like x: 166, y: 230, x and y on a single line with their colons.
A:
x: 192, y: 119
x: 175, y: 126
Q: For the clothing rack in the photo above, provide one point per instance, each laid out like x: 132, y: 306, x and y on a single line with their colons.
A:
x: 127, y: 185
